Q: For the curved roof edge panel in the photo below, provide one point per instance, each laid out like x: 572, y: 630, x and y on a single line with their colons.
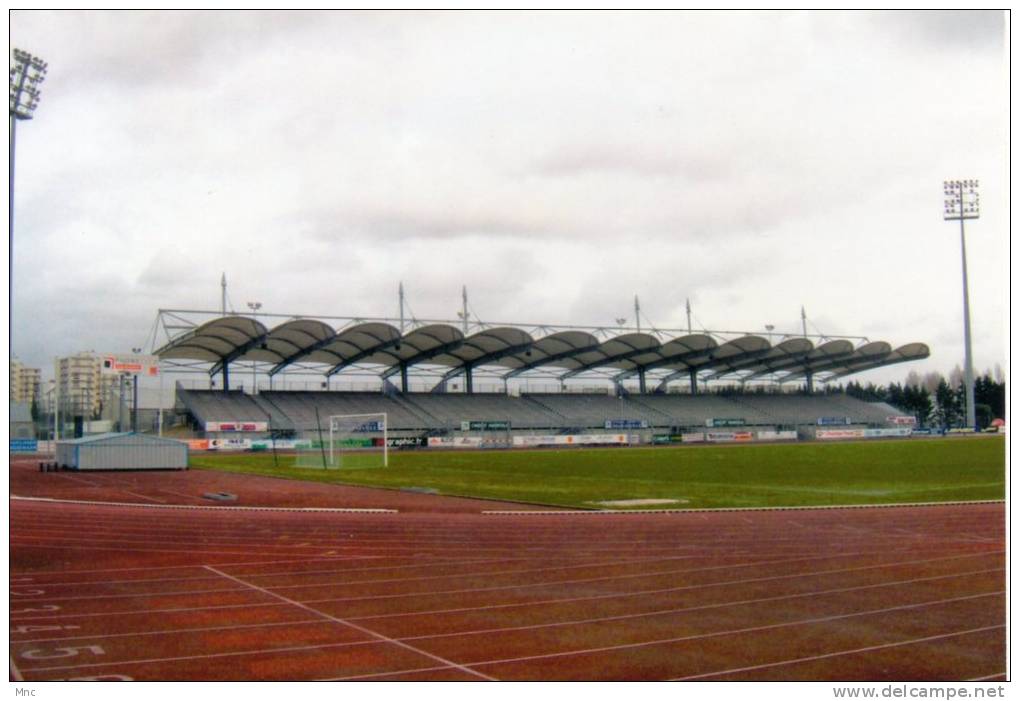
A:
x: 215, y: 341
x: 553, y: 350
x: 731, y: 353
x: 799, y: 366
x: 419, y: 346
x: 486, y: 347
x: 792, y: 350
x: 289, y: 341
x: 611, y: 351
x: 353, y: 344
x: 903, y: 354
x: 675, y: 354
x: 360, y: 344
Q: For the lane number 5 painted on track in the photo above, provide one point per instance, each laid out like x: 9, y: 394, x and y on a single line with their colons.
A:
x: 56, y: 653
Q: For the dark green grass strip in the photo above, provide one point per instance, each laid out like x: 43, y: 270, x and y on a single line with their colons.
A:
x: 807, y: 474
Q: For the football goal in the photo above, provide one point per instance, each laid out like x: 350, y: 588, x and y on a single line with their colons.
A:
x: 346, y: 441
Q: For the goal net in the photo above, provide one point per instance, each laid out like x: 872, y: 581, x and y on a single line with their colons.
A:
x: 346, y: 441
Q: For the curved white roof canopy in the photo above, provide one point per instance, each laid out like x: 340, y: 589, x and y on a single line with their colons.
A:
x: 224, y: 340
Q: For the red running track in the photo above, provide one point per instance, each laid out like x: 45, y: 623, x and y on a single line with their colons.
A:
x: 134, y: 592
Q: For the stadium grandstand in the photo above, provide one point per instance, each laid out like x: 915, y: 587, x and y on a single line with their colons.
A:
x: 437, y: 377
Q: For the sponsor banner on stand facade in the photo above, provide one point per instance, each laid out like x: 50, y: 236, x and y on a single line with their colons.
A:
x: 777, y: 435
x: 693, y: 437
x: 455, y: 441
x: 836, y: 434
x: 886, y: 432
x: 834, y: 421
x: 229, y: 444
x: 236, y: 426
x: 484, y: 425
x: 729, y: 436
x: 245, y: 444
x: 724, y: 423
x: 624, y: 424
x: 406, y: 442
x: 569, y: 440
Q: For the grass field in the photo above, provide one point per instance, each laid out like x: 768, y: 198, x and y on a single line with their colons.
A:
x: 813, y: 474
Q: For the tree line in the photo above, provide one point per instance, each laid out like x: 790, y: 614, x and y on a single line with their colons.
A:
x: 937, y: 401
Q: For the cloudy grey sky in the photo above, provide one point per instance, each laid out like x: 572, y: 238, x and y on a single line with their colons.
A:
x: 556, y: 164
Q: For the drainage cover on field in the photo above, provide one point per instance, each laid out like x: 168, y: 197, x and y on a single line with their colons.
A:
x: 220, y: 496
x: 420, y: 490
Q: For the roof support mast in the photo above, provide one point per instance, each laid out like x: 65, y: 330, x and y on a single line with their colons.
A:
x: 808, y: 375
x: 401, y: 294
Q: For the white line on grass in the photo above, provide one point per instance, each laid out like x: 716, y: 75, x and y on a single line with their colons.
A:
x: 208, y: 508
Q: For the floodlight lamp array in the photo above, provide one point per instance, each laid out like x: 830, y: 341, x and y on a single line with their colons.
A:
x: 27, y: 74
x: 961, y: 199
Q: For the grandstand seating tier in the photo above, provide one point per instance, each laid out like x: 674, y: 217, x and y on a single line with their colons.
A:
x: 305, y: 412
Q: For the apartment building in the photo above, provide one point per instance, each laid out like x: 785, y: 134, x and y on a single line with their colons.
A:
x: 25, y: 383
x: 83, y: 388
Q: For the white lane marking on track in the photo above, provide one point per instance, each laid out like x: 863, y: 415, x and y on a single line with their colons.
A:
x: 355, y: 626
x: 550, y: 601
x: 211, y: 655
x: 148, y: 611
x: 143, y: 595
x: 724, y: 604
x: 142, y: 496
x: 585, y: 580
x: 829, y: 655
x: 446, y: 664
x: 688, y: 609
x: 174, y: 631
x: 752, y: 580
x: 352, y: 558
x: 377, y: 675
x: 15, y: 672
x: 296, y: 561
x: 621, y: 595
x: 294, y: 573
x: 738, y: 631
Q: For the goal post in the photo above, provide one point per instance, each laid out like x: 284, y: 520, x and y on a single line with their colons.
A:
x: 358, y: 441
x: 347, y: 441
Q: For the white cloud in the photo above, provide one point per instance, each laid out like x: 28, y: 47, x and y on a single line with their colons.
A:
x: 556, y: 163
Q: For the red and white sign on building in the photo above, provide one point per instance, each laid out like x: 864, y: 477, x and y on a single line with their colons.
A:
x: 901, y: 420
x: 146, y: 365
x: 236, y: 426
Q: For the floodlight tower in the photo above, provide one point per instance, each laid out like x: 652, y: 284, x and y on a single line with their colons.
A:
x: 961, y: 203
x: 27, y: 74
